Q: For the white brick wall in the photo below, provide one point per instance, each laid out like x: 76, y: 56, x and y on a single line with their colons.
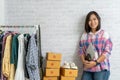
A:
x: 62, y: 23
x: 1, y: 12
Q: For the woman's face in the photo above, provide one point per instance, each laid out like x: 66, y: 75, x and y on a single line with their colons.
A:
x: 93, y: 22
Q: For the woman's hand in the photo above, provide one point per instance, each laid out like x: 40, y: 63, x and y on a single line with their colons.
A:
x: 89, y: 64
x: 85, y: 62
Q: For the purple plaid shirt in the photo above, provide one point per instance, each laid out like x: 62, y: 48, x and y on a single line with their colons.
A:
x: 103, y: 45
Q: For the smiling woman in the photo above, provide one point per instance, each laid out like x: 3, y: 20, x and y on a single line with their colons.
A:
x: 97, y: 68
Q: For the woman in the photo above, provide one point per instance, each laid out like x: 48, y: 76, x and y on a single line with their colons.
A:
x: 97, y: 68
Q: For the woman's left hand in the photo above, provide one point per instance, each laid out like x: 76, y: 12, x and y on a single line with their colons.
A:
x: 90, y: 64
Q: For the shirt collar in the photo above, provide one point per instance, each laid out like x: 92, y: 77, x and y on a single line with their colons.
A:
x: 95, y: 32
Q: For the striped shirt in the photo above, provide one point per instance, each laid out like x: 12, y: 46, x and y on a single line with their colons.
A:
x: 103, y: 44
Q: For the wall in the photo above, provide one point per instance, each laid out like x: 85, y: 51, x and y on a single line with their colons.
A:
x: 1, y: 12
x: 62, y: 22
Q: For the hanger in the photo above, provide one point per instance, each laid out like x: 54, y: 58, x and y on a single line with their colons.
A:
x: 36, y: 28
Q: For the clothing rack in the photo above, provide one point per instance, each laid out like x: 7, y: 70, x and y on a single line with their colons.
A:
x: 39, y: 50
x: 27, y: 29
x: 20, y: 29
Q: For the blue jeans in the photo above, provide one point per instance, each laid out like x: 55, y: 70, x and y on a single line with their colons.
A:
x: 102, y: 75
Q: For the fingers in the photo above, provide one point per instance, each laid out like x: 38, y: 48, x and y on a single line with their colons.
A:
x: 89, y: 64
x: 86, y: 62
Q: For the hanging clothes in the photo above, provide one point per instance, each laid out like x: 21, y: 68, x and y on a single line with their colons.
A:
x: 27, y: 38
x: 6, y: 58
x: 6, y: 34
x: 14, y: 56
x: 32, y: 59
x: 24, y: 59
x: 1, y: 40
x: 19, y: 75
x: 14, y: 52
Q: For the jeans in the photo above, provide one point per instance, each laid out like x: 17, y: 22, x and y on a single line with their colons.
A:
x: 102, y: 75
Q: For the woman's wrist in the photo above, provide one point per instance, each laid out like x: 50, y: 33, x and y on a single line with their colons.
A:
x: 97, y: 63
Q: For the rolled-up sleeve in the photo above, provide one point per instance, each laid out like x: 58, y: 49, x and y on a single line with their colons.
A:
x: 108, y: 48
x: 81, y: 49
x: 81, y: 44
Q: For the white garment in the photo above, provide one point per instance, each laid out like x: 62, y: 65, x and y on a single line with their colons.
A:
x: 19, y: 75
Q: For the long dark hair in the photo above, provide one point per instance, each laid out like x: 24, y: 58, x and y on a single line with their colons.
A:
x: 87, y: 27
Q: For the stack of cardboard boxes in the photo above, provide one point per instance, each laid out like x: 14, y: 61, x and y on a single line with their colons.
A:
x: 52, y: 70
x: 68, y: 74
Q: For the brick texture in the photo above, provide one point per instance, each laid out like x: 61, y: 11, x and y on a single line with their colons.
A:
x: 62, y: 22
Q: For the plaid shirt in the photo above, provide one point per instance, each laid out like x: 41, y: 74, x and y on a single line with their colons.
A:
x: 103, y: 45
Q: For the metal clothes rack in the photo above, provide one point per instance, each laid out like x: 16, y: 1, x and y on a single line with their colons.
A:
x: 37, y: 29
x: 20, y: 29
x: 39, y: 50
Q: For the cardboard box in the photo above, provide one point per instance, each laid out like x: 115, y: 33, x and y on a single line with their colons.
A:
x: 52, y: 72
x: 66, y: 78
x: 53, y: 56
x: 52, y: 64
x: 50, y: 78
x: 69, y: 72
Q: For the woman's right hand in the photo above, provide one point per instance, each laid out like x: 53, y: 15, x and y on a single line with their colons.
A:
x: 89, y: 64
x: 85, y: 62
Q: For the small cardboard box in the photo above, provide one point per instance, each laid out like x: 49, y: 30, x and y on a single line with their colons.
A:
x: 66, y: 78
x: 69, y: 72
x: 50, y: 78
x: 52, y: 64
x: 52, y: 72
x: 53, y: 56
